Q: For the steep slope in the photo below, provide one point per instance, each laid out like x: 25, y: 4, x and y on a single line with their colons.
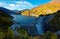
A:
x: 5, y: 19
x: 55, y: 22
x: 44, y: 9
x: 52, y: 22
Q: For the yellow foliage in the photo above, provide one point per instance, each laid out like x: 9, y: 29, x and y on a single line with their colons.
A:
x: 48, y: 8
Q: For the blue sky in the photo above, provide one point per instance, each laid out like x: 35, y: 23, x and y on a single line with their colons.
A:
x: 21, y: 4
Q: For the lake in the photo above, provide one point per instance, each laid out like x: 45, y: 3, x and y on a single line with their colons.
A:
x: 28, y: 21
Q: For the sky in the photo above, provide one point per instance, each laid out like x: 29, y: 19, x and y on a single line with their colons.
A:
x: 21, y: 4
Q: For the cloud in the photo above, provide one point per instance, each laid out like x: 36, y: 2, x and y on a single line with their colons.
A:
x: 25, y: 3
x: 18, y: 5
x: 12, y: 5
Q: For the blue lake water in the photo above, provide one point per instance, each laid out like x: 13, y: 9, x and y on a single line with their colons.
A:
x: 23, y: 20
x: 27, y: 21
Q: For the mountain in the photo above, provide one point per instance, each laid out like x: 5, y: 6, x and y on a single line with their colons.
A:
x: 52, y: 22
x: 7, y: 10
x: 23, y: 11
x: 44, y: 9
x: 19, y: 11
x: 55, y: 22
x: 15, y: 11
x: 5, y: 20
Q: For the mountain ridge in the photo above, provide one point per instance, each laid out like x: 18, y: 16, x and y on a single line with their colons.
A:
x: 44, y: 9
